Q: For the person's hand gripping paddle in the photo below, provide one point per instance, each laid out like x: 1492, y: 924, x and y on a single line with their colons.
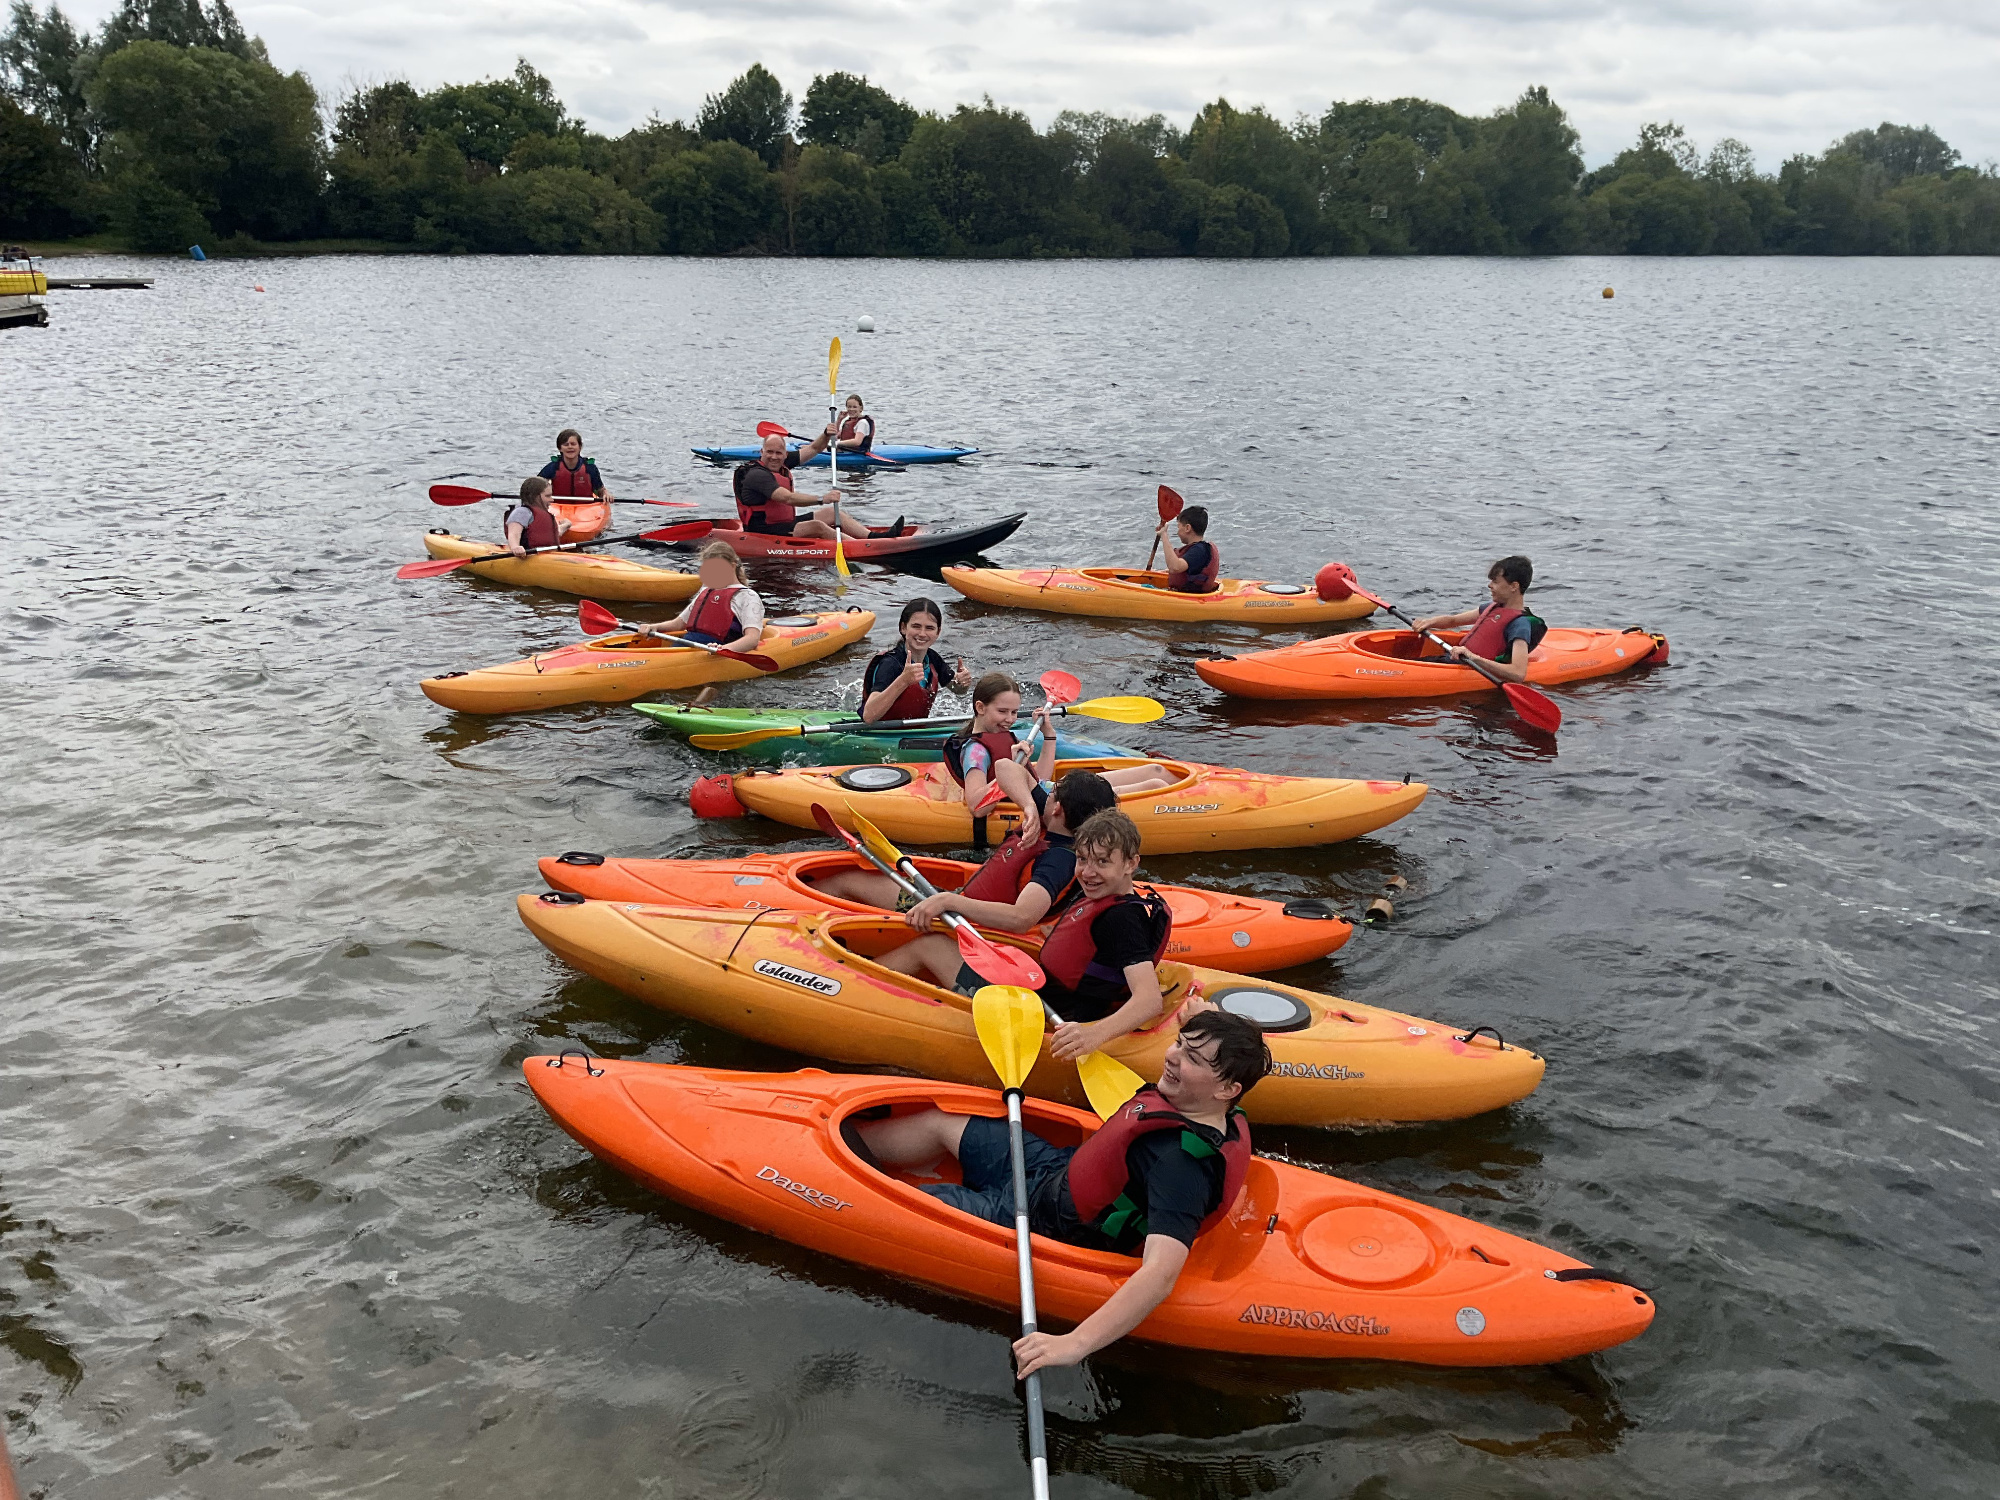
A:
x: 1538, y: 710
x: 988, y: 959
x: 597, y: 620
x: 1171, y: 506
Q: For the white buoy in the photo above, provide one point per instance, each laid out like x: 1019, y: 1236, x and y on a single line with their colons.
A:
x: 866, y: 325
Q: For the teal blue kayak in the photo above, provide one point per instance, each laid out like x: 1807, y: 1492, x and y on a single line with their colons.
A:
x: 846, y: 747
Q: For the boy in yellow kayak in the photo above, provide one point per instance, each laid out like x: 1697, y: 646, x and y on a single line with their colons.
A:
x: 1191, y: 567
x: 1160, y: 1172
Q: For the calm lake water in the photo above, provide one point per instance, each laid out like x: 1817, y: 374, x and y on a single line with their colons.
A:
x: 277, y: 1215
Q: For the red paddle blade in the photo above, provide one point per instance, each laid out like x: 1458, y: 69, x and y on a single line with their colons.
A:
x: 1170, y: 503
x: 761, y: 663
x: 998, y: 965
x: 680, y: 531
x: 432, y: 569
x: 682, y: 503
x: 771, y: 429
x: 831, y: 829
x: 1061, y: 687
x: 1359, y: 592
x: 595, y: 618
x: 457, y: 494
x: 1535, y: 708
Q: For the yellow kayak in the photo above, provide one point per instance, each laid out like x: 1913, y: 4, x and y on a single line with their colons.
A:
x: 591, y: 575
x: 618, y: 668
x: 1207, y: 807
x: 1133, y: 594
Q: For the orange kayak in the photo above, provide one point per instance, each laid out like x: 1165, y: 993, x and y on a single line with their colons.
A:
x: 813, y: 983
x: 1207, y: 807
x: 587, y: 518
x: 1383, y: 664
x: 1241, y: 934
x: 1304, y: 1266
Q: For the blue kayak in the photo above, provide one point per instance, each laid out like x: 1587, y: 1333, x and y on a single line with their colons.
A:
x: 899, y: 453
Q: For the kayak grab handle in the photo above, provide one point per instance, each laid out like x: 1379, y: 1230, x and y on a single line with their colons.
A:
x: 1468, y: 1036
x: 569, y: 1052
x: 1591, y: 1273
x: 561, y: 898
x: 579, y: 857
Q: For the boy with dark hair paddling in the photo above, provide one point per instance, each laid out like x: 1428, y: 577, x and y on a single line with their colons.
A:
x: 1504, y: 632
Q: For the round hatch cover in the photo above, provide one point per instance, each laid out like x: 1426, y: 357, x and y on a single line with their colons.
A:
x: 1366, y: 1246
x: 1267, y: 1010
x: 873, y: 778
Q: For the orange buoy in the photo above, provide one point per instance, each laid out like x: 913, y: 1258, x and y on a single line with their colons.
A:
x: 1607, y: 293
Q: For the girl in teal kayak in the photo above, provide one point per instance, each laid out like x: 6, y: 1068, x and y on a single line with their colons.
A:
x: 904, y: 681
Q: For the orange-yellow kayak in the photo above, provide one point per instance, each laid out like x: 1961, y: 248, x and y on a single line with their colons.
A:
x: 1207, y: 807
x: 1384, y: 664
x: 812, y: 983
x: 590, y: 575
x: 1242, y: 934
x: 1134, y: 594
x: 1305, y: 1265
x: 618, y: 668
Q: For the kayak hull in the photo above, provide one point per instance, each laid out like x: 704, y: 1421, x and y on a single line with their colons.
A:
x: 849, y: 747
x: 1241, y: 934
x: 1134, y: 594
x: 1304, y: 1265
x: 587, y: 518
x: 811, y: 983
x: 590, y: 575
x: 613, y: 669
x: 1207, y: 808
x: 897, y: 453
x: 920, y: 543
x: 1382, y: 664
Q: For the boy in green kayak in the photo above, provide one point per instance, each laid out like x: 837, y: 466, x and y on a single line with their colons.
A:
x: 1161, y: 1171
x: 1504, y: 632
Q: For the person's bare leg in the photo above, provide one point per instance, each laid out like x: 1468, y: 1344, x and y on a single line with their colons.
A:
x: 863, y: 887
x: 933, y: 956
x: 1146, y: 778
x: 912, y: 1140
x: 812, y: 526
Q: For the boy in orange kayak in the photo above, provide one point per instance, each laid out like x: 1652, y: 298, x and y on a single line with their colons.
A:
x: 1191, y: 567
x: 1503, y: 632
x: 574, y: 476
x: 1158, y: 1173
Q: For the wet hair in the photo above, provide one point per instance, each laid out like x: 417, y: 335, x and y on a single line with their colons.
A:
x: 1517, y: 570
x: 1241, y: 1056
x: 534, y: 489
x: 1108, y: 832
x: 1196, y: 518
x: 984, y: 691
x: 1082, y: 795
x: 566, y: 434
x: 728, y: 554
x: 919, y: 606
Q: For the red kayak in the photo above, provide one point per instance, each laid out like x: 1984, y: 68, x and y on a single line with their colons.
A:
x: 914, y: 542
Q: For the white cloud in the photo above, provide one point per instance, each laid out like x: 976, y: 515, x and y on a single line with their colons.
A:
x: 1783, y: 75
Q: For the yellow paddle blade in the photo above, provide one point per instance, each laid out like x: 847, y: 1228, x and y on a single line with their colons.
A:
x: 833, y: 368
x: 1009, y: 1022
x: 871, y: 836
x: 1107, y: 1082
x: 840, y: 552
x: 741, y: 738
x: 1120, y: 710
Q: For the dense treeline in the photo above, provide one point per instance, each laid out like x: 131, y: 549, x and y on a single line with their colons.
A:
x: 171, y: 126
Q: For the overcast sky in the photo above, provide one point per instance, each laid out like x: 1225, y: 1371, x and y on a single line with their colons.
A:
x: 1782, y: 75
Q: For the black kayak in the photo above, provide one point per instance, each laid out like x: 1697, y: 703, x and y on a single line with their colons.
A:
x: 933, y: 543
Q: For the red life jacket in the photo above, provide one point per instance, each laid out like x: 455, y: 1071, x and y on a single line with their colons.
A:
x: 540, y: 530
x: 1007, y: 870
x: 709, y: 614
x: 571, y: 483
x: 772, y: 512
x: 999, y: 744
x: 1100, y: 1181
x: 850, y: 426
x: 1069, y: 953
x: 1488, y: 636
x: 1202, y: 582
x: 915, y: 701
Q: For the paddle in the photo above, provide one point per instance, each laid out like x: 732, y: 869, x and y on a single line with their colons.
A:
x: 833, y: 456
x: 986, y: 957
x: 1538, y: 709
x: 437, y: 567
x: 597, y: 620
x: 1170, y: 506
x: 774, y: 429
x: 1117, y: 710
x: 1009, y: 1022
x: 459, y: 494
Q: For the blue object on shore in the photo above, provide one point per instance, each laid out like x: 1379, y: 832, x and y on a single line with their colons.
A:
x: 194, y: 253
x: 902, y: 453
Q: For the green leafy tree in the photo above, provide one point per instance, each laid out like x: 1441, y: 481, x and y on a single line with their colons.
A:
x: 855, y: 115
x: 42, y: 67
x: 754, y: 111
x: 1528, y: 166
x: 717, y: 200
x: 1901, y: 151
x: 178, y: 23
x: 40, y: 179
x: 486, y: 121
x: 150, y: 214
x: 1227, y: 146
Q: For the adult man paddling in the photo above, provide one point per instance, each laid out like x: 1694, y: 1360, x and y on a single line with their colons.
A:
x: 1503, y: 632
x: 767, y: 502
x: 1160, y: 1171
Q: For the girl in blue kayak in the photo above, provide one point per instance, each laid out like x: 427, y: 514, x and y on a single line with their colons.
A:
x: 904, y: 681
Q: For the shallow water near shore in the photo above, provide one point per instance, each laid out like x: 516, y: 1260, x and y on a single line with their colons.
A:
x: 277, y: 1214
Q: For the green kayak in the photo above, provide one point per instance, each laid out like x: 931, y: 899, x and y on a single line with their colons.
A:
x: 846, y: 747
